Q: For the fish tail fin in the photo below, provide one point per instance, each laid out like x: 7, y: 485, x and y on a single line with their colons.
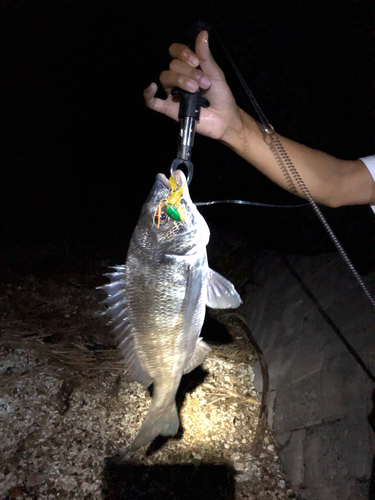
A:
x: 159, y: 421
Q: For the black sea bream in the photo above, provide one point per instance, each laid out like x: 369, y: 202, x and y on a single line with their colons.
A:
x: 157, y: 300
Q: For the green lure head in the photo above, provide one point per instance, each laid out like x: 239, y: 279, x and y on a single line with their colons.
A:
x: 172, y: 212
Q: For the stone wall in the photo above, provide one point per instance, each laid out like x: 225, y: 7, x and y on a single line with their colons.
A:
x: 319, y: 397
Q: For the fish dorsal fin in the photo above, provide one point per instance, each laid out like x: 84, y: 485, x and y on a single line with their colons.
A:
x: 121, y: 325
x: 197, y: 358
x: 221, y: 294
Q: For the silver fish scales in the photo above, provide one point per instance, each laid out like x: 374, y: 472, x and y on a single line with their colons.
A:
x: 157, y: 300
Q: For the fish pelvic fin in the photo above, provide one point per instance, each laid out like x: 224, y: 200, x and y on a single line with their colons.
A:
x: 159, y: 421
x: 197, y: 358
x: 221, y: 294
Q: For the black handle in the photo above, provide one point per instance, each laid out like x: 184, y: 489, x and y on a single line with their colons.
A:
x: 190, y: 104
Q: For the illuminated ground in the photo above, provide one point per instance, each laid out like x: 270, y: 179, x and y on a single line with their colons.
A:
x: 67, y: 418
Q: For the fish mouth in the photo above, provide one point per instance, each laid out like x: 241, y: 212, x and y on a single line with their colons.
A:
x: 178, y: 176
x: 162, y: 178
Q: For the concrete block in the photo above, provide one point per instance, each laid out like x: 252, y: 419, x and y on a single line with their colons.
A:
x: 322, y: 493
x: 271, y: 407
x: 350, y: 309
x: 359, y: 444
x: 357, y: 489
x: 344, y: 386
x: 314, y: 474
x: 269, y: 337
x: 336, y: 454
x: 371, y: 359
x: 351, y: 490
x: 293, y: 361
x: 321, y: 395
x: 298, y: 404
x: 358, y: 338
x: 307, y: 354
x: 278, y: 363
x: 283, y: 439
x: 292, y: 457
x: 258, y: 379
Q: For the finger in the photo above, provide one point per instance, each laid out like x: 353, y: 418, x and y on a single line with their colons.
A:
x: 170, y: 79
x: 197, y: 75
x: 166, y: 107
x: 207, y: 62
x: 182, y: 52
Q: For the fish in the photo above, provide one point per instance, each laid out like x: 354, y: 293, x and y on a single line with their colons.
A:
x: 157, y: 300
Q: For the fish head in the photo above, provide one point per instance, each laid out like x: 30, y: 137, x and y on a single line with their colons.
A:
x: 169, y: 222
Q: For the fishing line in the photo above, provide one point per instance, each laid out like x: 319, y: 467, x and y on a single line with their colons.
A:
x: 254, y: 203
x: 327, y: 319
x: 291, y: 173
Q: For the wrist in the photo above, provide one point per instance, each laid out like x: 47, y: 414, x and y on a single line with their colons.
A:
x: 240, y: 133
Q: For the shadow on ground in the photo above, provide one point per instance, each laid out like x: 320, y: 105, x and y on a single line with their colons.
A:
x: 132, y: 480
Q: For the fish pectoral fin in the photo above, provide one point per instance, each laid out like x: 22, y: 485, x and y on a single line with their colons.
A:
x: 221, y: 294
x: 193, y: 292
x: 197, y: 358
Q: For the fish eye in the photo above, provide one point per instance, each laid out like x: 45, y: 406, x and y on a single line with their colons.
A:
x: 162, y: 219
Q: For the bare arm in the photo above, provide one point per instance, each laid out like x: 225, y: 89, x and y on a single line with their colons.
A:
x: 331, y: 181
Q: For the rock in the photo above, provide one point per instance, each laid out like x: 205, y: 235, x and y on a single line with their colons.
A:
x: 35, y: 479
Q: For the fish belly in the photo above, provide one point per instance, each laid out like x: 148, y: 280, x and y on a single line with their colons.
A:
x: 166, y: 311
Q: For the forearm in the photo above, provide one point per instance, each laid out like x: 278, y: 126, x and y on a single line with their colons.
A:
x: 330, y: 181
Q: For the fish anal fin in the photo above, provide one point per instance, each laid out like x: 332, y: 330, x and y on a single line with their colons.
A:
x: 221, y: 294
x: 197, y: 358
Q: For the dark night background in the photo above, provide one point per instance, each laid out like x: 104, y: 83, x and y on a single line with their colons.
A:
x: 80, y: 150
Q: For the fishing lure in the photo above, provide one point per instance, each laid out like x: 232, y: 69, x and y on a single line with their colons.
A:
x: 172, y: 206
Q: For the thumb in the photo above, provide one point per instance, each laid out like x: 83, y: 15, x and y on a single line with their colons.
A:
x: 207, y: 62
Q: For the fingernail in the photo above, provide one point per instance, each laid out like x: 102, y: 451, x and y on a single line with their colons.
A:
x: 205, y: 82
x: 191, y: 85
x: 194, y: 61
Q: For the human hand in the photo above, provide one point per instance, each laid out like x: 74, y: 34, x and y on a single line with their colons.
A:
x: 222, y: 118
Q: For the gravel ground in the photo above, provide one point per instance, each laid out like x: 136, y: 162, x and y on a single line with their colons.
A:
x: 68, y: 410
